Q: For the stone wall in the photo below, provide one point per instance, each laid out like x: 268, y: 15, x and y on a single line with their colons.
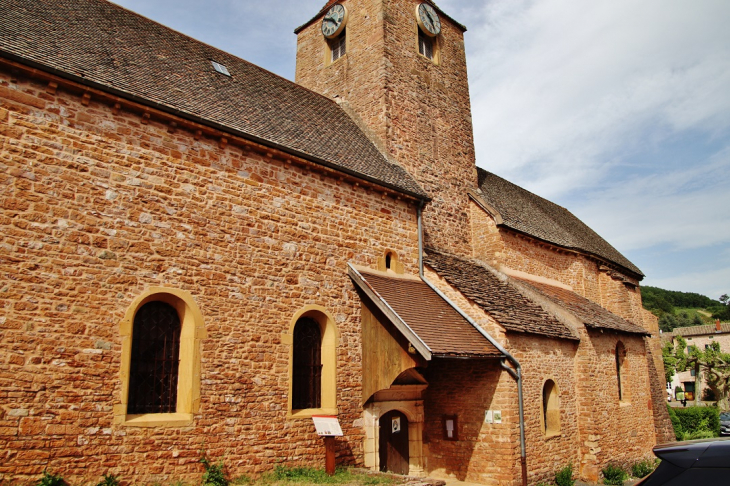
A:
x: 97, y: 204
x: 613, y: 430
x: 484, y: 453
x: 596, y: 428
x: 418, y: 109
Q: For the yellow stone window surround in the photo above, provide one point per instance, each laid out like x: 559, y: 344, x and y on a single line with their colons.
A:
x: 188, y: 381
x: 330, y: 336
x: 550, y: 416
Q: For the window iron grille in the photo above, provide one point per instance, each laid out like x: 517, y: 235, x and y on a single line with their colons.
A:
x: 425, y: 45
x: 307, y: 366
x: 339, y: 47
x: 155, y: 359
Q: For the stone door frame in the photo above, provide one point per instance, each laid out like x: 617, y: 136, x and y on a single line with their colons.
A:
x: 405, y: 399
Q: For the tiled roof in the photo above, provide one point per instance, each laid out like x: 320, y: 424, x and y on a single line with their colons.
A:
x: 707, y: 329
x: 438, y: 325
x: 528, y: 213
x: 495, y: 294
x: 103, y: 45
x: 590, y: 313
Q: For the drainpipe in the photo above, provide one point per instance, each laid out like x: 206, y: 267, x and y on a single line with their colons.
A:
x: 515, y: 370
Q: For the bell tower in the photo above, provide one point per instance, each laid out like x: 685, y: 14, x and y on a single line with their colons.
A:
x: 400, y: 67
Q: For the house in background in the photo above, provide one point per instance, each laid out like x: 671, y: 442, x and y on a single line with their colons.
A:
x: 198, y: 254
x: 702, y: 337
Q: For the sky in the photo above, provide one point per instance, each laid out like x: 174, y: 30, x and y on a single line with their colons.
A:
x: 617, y: 110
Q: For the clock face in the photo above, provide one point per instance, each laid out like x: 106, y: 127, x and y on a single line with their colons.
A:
x: 334, y: 21
x: 428, y: 20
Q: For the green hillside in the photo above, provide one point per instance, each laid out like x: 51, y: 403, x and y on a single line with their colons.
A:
x: 683, y: 309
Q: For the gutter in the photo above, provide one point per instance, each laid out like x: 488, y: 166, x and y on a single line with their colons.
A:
x: 515, y: 370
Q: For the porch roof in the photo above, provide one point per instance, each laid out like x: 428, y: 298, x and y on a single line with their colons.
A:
x: 427, y: 321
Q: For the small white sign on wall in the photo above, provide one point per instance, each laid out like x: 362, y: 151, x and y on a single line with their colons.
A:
x: 493, y: 416
x: 395, y: 425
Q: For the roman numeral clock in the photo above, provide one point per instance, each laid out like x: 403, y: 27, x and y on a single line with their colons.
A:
x: 334, y: 21
x: 428, y: 20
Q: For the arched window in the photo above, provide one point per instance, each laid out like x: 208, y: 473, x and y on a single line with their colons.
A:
x: 312, y: 340
x: 550, y: 408
x: 155, y: 359
x: 307, y: 366
x: 160, y: 364
x: 620, y: 356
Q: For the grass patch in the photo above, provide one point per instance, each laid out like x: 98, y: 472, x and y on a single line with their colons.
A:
x: 692, y: 312
x: 283, y: 475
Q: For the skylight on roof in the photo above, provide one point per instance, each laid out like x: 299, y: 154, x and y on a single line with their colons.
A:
x: 220, y: 68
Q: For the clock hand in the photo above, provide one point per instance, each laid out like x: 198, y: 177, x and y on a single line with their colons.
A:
x: 433, y: 18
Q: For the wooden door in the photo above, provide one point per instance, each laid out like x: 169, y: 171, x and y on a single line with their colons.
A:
x: 394, y: 442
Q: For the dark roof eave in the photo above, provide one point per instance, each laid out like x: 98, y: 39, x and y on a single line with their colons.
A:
x: 203, y: 121
x: 543, y: 334
x: 469, y: 356
x: 598, y: 327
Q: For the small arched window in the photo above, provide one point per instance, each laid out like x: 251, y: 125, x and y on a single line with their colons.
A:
x: 389, y: 262
x: 307, y: 366
x: 550, y: 408
x: 155, y: 359
x: 620, y: 356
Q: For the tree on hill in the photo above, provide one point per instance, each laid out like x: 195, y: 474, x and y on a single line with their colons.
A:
x: 722, y: 311
x: 679, y: 299
x: 669, y: 322
x: 665, y: 303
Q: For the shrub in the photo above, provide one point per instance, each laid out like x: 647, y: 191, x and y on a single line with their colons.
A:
x: 564, y: 476
x: 109, y: 480
x: 214, y: 474
x: 676, y: 424
x: 613, y: 474
x: 642, y: 468
x: 49, y: 479
x: 699, y: 420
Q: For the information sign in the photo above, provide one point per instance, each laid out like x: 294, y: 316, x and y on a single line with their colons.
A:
x: 327, y: 425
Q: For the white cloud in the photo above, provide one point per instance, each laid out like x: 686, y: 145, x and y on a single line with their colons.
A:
x: 618, y: 110
x: 563, y: 87
x: 682, y: 209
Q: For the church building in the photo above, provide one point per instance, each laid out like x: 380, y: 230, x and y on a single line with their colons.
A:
x: 199, y: 256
